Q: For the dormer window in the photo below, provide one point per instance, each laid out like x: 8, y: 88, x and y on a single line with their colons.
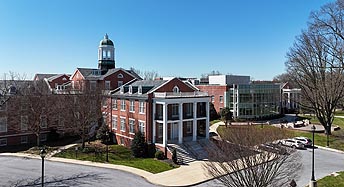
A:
x: 176, y: 89
x: 130, y: 89
x: 140, y: 90
x: 120, y: 76
x: 96, y: 72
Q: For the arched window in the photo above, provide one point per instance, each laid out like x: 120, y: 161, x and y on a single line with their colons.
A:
x: 104, y: 54
x: 176, y: 89
x: 108, y: 54
x: 120, y: 76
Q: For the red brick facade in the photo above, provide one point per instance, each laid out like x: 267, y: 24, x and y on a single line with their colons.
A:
x: 216, y: 92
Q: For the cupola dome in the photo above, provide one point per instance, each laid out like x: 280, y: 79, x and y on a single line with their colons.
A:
x: 106, y: 41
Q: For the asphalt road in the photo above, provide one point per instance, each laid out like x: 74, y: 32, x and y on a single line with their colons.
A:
x: 326, y: 162
x: 18, y: 171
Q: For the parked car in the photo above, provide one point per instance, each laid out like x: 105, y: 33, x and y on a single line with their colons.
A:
x: 306, y: 141
x: 292, y: 143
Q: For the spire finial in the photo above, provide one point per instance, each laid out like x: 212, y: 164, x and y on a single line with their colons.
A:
x: 106, y: 36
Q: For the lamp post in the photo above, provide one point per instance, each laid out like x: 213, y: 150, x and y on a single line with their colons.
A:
x: 313, y: 182
x: 43, y: 153
x: 107, y: 146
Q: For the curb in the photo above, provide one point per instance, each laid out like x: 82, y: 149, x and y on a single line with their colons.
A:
x: 330, y: 149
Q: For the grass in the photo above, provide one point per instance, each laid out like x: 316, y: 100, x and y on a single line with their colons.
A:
x: 336, y: 140
x: 214, y: 121
x: 339, y: 113
x: 119, y: 155
x: 332, y: 181
x: 337, y: 121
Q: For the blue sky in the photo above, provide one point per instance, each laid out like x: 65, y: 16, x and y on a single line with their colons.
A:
x: 173, y: 37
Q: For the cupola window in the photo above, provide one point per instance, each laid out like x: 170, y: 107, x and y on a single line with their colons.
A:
x: 104, y: 54
x: 108, y: 54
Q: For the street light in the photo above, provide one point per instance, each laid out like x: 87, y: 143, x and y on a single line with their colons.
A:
x: 43, y: 153
x: 313, y: 182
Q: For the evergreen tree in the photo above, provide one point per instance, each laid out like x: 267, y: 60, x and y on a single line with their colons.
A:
x: 101, y: 133
x: 139, y: 145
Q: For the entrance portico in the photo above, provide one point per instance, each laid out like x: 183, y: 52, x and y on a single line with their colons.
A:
x: 180, y: 119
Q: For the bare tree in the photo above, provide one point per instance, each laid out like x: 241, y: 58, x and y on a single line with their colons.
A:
x: 84, y: 112
x: 242, y: 158
x: 146, y: 75
x: 316, y: 62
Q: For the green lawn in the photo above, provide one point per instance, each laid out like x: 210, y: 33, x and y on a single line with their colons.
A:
x: 337, y: 121
x: 332, y: 181
x: 339, y: 113
x: 119, y: 155
x: 336, y: 139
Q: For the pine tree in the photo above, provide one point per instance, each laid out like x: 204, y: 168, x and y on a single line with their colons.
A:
x: 139, y: 145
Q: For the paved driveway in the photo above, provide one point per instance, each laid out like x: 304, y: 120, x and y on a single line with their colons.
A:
x: 19, y: 171
x: 326, y: 162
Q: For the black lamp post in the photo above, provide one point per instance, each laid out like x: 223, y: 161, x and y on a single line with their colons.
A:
x: 43, y: 153
x: 313, y: 182
x: 107, y: 146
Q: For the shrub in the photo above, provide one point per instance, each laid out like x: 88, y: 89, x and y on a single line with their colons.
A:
x: 159, y: 155
x: 139, y: 145
x: 151, y: 150
x: 174, y: 156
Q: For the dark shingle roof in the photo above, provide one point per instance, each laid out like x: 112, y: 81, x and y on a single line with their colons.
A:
x: 41, y: 76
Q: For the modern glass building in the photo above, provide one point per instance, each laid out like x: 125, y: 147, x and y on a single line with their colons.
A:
x: 254, y: 101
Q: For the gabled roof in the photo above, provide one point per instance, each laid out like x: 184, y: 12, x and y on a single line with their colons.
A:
x: 95, y: 74
x: 56, y: 76
x: 41, y: 76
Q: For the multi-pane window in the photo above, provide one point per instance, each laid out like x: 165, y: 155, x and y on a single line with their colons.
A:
x: 23, y: 140
x: 189, y: 109
x: 114, y: 104
x: 123, y: 124
x: 120, y: 83
x: 44, y: 122
x: 114, y: 122
x: 43, y: 137
x: 24, y: 121
x: 3, y: 141
x: 221, y: 99
x: 132, y: 106
x: 93, y: 85
x: 3, y: 124
x: 175, y: 110
x: 123, y: 104
x: 142, y: 107
x: 132, y: 125
x: 142, y: 126
x: 107, y: 85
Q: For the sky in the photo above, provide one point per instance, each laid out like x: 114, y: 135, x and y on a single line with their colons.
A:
x: 182, y: 38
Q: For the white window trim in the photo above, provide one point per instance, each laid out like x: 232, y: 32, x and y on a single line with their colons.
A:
x: 3, y: 139
x: 143, y: 106
x: 125, y: 107
x: 175, y: 89
x: 25, y: 138
x: 114, y: 103
x: 120, y: 76
x: 139, y: 90
x: 113, y: 120
x: 22, y: 123
x: 122, y: 118
x: 132, y: 119
x: 5, y: 119
x: 144, y: 125
x: 107, y: 85
x: 132, y: 106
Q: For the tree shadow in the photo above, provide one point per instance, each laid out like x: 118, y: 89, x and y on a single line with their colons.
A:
x: 74, y: 180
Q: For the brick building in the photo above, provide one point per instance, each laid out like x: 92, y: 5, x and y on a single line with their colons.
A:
x: 166, y: 111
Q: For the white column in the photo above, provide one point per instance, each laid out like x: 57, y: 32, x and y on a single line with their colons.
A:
x: 288, y: 101
x: 164, y: 124
x: 180, y: 126
x: 154, y: 122
x: 194, y: 126
x: 207, y: 121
